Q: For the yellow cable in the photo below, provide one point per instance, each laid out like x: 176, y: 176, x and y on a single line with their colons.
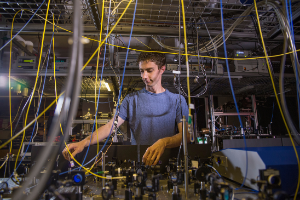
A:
x: 186, y: 58
x: 28, y: 125
x: 173, y: 53
x: 57, y: 97
x: 96, y: 104
x: 3, y: 145
x: 54, y: 66
x: 9, y: 83
x: 51, y: 104
x: 37, y: 75
x: 54, y: 74
x: 107, y: 35
x: 96, y: 161
x: 88, y: 170
x: 16, y: 115
x: 275, y: 92
x: 142, y: 43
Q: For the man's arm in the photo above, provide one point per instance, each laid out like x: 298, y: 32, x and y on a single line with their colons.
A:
x: 153, y: 153
x: 102, y: 133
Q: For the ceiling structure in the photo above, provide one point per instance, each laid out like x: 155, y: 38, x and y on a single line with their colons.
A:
x: 154, y: 19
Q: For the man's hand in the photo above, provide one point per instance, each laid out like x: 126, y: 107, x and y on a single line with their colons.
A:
x: 153, y: 153
x: 74, y: 148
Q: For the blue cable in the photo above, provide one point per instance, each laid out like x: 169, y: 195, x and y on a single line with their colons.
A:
x: 97, y: 105
x: 39, y: 104
x: 119, y: 91
x: 215, y: 170
x: 290, y: 20
x: 233, y: 95
x: 22, y: 27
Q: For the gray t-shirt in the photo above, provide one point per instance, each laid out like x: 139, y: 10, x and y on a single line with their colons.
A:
x: 152, y: 116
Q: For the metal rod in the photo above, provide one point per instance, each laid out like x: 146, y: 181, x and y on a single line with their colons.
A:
x: 213, y: 131
x: 103, y: 168
x: 185, y: 151
x: 254, y: 111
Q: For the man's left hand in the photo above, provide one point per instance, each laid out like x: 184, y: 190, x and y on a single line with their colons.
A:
x: 153, y: 153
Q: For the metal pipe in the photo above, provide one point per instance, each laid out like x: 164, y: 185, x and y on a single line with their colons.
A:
x: 103, y: 168
x: 185, y: 151
x: 213, y: 131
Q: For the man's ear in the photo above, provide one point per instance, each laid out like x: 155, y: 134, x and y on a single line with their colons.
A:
x: 163, y: 68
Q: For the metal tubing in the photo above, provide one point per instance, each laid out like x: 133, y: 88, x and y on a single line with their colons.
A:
x: 103, y: 168
x: 213, y: 131
x: 185, y: 151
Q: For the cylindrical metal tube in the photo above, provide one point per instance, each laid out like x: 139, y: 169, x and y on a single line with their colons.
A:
x: 185, y: 151
x: 103, y: 168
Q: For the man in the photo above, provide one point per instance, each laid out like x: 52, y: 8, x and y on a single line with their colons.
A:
x: 152, y: 113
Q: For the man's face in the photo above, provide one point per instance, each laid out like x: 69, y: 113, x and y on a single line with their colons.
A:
x: 150, y: 73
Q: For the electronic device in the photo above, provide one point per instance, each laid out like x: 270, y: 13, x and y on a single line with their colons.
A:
x: 252, y: 65
x: 29, y: 146
x: 26, y: 62
x: 249, y: 65
x: 242, y: 53
x: 231, y: 163
x: 131, y: 59
x: 61, y: 63
x: 220, y: 69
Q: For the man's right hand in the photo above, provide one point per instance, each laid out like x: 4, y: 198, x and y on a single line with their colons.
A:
x: 74, y: 148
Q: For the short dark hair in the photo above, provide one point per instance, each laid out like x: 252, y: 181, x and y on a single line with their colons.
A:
x: 158, y: 58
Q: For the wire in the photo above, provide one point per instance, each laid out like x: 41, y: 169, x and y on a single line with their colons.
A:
x: 52, y: 103
x: 100, y: 35
x: 142, y: 43
x: 187, y: 62
x: 66, y: 109
x: 96, y: 105
x: 96, y: 161
x: 22, y: 27
x: 11, y: 122
x: 9, y: 83
x: 290, y: 19
x: 117, y: 102
x: 275, y: 92
x: 116, y: 7
x: 118, y: 97
x: 143, y: 51
x: 37, y: 75
x: 31, y: 138
x: 215, y: 170
x: 174, y: 53
x: 233, y: 95
x: 4, y: 161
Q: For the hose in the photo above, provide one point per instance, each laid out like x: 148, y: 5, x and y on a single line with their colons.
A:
x: 282, y: 95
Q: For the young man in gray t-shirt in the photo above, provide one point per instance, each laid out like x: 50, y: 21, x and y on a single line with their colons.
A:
x: 152, y: 113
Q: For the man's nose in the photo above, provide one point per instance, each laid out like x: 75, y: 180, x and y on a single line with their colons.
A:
x: 145, y: 75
